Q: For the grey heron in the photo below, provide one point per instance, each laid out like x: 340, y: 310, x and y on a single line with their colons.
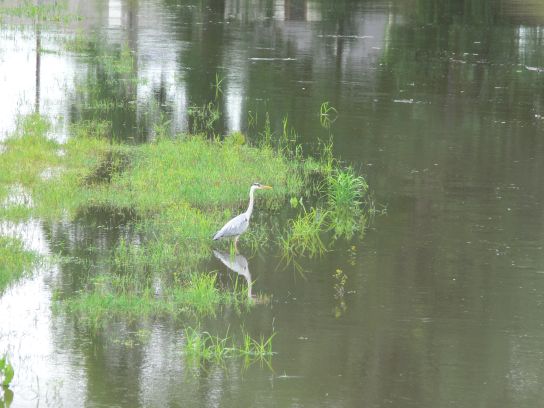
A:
x: 239, y: 224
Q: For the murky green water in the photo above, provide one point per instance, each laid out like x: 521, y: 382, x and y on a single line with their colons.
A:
x: 441, y: 107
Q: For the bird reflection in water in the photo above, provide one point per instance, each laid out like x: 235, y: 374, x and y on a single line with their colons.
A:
x: 238, y: 264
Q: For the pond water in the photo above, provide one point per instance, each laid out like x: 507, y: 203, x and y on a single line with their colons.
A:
x: 440, y: 105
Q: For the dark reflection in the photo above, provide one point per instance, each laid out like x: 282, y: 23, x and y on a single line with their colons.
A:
x: 236, y: 263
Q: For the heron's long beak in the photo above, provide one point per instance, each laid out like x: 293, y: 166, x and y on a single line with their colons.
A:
x: 266, y: 187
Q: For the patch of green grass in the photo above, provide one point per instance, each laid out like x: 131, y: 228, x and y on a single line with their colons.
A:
x: 47, y: 12
x: 345, y: 194
x: 29, y: 155
x: 16, y: 261
x: 342, y: 213
x: 206, y: 175
x: 303, y: 235
x: 203, y: 346
x: 130, y: 296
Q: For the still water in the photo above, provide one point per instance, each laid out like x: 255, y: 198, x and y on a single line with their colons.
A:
x: 440, y: 105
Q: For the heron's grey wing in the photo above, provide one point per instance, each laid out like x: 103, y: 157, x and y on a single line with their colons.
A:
x: 234, y: 227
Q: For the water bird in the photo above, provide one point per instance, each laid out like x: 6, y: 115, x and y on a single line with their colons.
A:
x: 239, y: 224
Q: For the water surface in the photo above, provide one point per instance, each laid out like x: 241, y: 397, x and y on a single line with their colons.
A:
x: 440, y: 106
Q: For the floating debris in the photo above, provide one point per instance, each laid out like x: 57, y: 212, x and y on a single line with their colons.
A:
x: 536, y: 69
x: 359, y: 37
x: 284, y: 376
x: 271, y: 59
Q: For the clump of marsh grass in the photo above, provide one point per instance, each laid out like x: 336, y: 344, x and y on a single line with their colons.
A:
x: 202, y: 118
x: 345, y: 189
x: 162, y: 128
x: 345, y: 194
x: 203, y: 346
x: 218, y: 85
x: 91, y: 129
x: 327, y: 115
x: 259, y: 349
x: 303, y: 236
x: 342, y: 213
x: 113, y: 163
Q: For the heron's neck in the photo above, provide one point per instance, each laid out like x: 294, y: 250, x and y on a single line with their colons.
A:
x: 250, y: 206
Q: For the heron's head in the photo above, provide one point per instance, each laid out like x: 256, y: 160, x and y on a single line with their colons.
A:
x: 259, y: 186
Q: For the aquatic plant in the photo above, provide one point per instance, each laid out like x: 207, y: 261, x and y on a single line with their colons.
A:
x: 340, y: 282
x: 201, y: 345
x: 80, y: 42
x: 91, y: 129
x: 217, y: 85
x: 327, y: 115
x: 345, y: 192
x: 303, y: 235
x: 266, y: 134
x: 260, y: 348
x: 202, y: 118
x: 161, y: 128
x: 6, y: 372
x: 252, y: 119
x: 288, y: 141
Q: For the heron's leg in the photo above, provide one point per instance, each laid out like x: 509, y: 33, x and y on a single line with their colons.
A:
x: 236, y: 243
